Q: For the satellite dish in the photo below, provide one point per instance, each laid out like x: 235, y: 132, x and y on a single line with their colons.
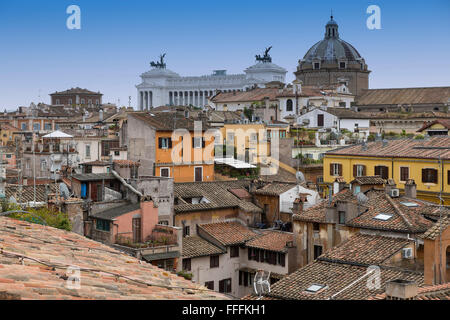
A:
x: 261, y: 284
x: 300, y: 177
x: 362, y: 198
x: 64, y: 191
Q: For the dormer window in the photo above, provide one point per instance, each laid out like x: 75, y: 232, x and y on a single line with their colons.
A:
x: 342, y: 65
x: 316, y: 65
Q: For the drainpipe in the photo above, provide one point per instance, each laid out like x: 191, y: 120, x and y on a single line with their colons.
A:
x: 122, y: 180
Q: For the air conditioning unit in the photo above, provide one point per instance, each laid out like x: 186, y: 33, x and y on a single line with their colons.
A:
x: 407, y: 253
x: 394, y: 193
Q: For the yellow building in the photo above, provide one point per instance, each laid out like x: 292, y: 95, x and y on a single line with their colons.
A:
x: 426, y: 161
x: 250, y: 140
x: 7, y: 132
x: 437, y: 127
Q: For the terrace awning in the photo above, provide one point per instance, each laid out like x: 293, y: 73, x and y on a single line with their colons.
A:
x: 238, y: 164
x: 57, y: 134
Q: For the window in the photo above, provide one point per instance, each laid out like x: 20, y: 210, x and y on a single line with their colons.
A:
x: 187, y: 264
x: 70, y: 101
x: 342, y: 65
x: 164, y: 172
x: 429, y: 176
x: 102, y: 225
x: 316, y: 65
x: 225, y: 286
x: 317, y: 251
x: 47, y: 126
x: 289, y: 105
x: 198, y: 142
x: 186, y: 231
x: 24, y: 127
x: 359, y: 170
x: 282, y: 259
x: 36, y: 126
x: 209, y: 285
x: 198, y: 174
x: 164, y: 143
x: 382, y: 171
x: 88, y: 151
x: 97, y: 102
x: 117, y: 153
x: 82, y: 101
x: 404, y: 173
x: 214, y: 261
x: 336, y: 169
x: 234, y: 251
x: 316, y: 226
x: 89, y: 101
x: 57, y: 101
x: 448, y: 177
x: 320, y: 120
x: 341, y: 217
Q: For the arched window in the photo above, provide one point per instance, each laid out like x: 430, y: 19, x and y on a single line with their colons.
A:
x: 289, y: 105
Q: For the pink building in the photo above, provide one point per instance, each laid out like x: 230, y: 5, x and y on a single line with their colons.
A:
x: 130, y: 223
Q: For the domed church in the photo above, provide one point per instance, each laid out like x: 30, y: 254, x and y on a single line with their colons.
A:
x: 332, y: 61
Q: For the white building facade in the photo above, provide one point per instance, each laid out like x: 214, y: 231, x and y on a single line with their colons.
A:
x: 161, y: 87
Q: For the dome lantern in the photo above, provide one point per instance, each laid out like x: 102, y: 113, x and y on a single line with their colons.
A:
x: 331, y: 29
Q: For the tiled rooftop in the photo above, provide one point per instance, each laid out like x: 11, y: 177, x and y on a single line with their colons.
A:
x: 397, y: 96
x: 34, y: 261
x: 275, y: 188
x: 216, y: 192
x: 436, y: 292
x: 365, y: 250
x: 195, y: 246
x: 228, y: 233
x: 26, y: 194
x: 272, y: 241
x: 437, y: 228
x: 335, y: 277
x: 431, y: 148
x: 369, y: 180
x: 443, y: 122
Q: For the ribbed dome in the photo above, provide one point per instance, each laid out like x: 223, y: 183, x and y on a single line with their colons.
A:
x: 332, y: 48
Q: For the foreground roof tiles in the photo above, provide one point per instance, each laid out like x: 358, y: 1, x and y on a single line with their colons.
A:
x: 34, y: 261
x: 431, y: 148
x: 228, y: 233
x: 275, y: 189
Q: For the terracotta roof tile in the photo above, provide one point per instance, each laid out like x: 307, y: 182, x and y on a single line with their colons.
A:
x: 195, y: 246
x: 105, y: 272
x: 272, y: 241
x: 335, y: 277
x: 365, y: 250
x: 436, y: 292
x: 437, y: 228
x: 228, y: 233
x: 396, y: 96
x: 275, y: 188
x: 431, y: 148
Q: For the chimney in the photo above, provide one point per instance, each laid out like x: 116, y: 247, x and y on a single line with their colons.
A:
x: 298, y: 204
x: 100, y: 115
x: 410, y: 189
x: 390, y: 184
x: 401, y: 290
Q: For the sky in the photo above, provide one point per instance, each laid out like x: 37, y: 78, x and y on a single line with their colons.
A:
x: 119, y: 38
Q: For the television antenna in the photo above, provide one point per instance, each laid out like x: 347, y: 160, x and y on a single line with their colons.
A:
x: 261, y: 284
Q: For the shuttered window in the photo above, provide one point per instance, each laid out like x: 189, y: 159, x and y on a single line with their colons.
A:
x: 359, y: 170
x: 429, y: 176
x: 165, y: 143
x: 382, y: 171
x: 335, y: 169
x: 214, y: 262
x: 404, y: 173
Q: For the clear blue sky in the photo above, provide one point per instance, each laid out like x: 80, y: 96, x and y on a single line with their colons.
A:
x: 118, y: 39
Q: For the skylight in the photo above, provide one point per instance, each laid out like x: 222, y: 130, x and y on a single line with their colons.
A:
x: 383, y: 216
x: 409, y: 204
x: 315, y: 288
